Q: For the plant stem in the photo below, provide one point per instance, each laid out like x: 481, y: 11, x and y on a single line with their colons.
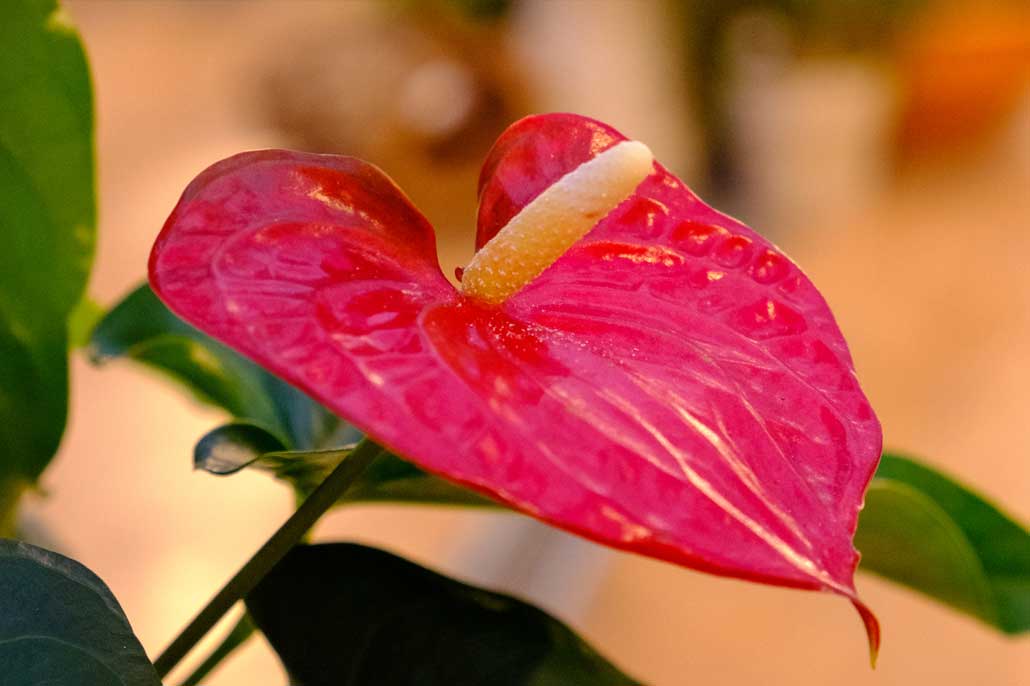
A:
x: 243, y: 630
x: 274, y: 549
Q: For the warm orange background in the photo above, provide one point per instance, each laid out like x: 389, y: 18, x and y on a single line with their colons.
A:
x: 923, y: 257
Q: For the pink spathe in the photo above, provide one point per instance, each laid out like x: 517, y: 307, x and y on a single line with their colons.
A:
x: 673, y: 385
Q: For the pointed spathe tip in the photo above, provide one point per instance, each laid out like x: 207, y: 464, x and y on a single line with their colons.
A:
x: 872, y: 629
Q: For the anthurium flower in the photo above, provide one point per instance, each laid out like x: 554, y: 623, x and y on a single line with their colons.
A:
x: 621, y: 360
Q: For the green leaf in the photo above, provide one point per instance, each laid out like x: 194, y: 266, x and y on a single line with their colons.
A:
x: 231, y: 447
x: 82, y: 320
x: 47, y: 221
x: 10, y: 492
x: 922, y: 529
x: 142, y: 328
x: 33, y: 399
x: 46, y: 162
x: 393, y: 479
x: 61, y: 626
x: 345, y: 613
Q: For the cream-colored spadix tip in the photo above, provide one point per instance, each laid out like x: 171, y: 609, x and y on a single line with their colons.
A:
x: 548, y: 226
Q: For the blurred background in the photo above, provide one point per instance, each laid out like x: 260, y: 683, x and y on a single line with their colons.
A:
x: 884, y: 144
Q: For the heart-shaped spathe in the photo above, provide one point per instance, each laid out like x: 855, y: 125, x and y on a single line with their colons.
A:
x: 672, y: 385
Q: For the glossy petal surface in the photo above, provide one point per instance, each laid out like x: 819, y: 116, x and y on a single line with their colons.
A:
x: 672, y: 385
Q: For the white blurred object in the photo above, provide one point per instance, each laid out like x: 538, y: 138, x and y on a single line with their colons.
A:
x: 810, y: 138
x: 558, y: 571
x: 620, y: 61
x: 437, y: 98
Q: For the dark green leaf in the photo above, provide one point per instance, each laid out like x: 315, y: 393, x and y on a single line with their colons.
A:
x: 60, y: 625
x: 142, y: 328
x: 232, y: 447
x: 343, y: 613
x: 47, y: 221
x: 393, y: 479
x: 925, y: 531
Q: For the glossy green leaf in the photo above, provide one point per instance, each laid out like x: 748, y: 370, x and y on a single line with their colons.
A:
x: 392, y: 479
x: 924, y: 530
x: 61, y: 626
x: 232, y: 447
x: 344, y: 613
x: 47, y: 226
x: 142, y: 328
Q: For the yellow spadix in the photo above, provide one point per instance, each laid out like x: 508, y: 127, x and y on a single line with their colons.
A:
x: 548, y: 226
